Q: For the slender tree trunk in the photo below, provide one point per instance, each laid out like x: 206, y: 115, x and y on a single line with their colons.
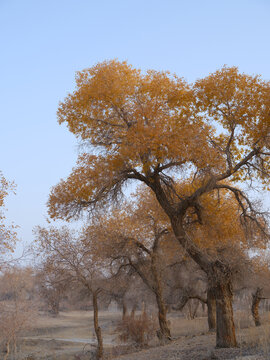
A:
x: 225, y: 335
x: 192, y: 306
x: 211, y: 310
x: 55, y: 304
x: 133, y: 310
x: 143, y: 307
x: 124, y: 310
x: 203, y: 307
x: 256, y: 298
x: 7, y: 350
x: 97, y: 328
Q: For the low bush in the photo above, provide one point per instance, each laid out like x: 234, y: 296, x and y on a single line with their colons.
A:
x: 138, y: 329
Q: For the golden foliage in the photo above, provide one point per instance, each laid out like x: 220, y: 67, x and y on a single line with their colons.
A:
x: 189, y: 143
x: 7, y: 233
x: 139, y: 124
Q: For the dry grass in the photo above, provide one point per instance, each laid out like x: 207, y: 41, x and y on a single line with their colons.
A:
x: 47, y: 340
x: 183, y: 327
x: 138, y: 329
x: 258, y: 338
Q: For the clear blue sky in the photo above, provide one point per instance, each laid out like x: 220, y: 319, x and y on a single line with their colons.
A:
x: 43, y: 43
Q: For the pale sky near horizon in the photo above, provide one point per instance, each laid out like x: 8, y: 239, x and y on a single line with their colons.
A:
x: 43, y: 44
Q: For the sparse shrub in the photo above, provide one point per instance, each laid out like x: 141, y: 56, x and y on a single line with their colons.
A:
x: 258, y: 338
x: 17, y: 314
x: 138, y: 329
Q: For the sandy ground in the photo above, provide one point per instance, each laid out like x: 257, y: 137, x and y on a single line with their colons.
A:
x: 70, y: 336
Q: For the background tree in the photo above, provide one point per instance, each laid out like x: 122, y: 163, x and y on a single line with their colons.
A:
x: 7, y: 233
x: 51, y: 286
x: 155, y: 128
x: 67, y: 256
x: 134, y: 237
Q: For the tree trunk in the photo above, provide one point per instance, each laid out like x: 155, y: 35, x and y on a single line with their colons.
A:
x: 164, y: 332
x: 211, y: 310
x: 256, y: 298
x: 124, y: 310
x: 7, y: 350
x: 134, y: 307
x: 97, y: 328
x: 225, y: 335
x: 55, y: 304
x: 220, y: 278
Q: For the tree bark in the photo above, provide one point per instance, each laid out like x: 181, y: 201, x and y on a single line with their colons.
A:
x: 164, y: 332
x: 256, y: 298
x: 211, y: 310
x: 225, y: 335
x: 96, y: 326
x: 220, y: 276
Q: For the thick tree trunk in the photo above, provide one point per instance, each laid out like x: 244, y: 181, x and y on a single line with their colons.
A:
x: 256, y: 298
x: 97, y: 328
x: 225, y: 335
x: 211, y: 310
x: 220, y: 279
x: 164, y: 332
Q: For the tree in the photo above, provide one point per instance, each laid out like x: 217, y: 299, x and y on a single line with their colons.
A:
x: 7, y: 233
x: 51, y: 286
x: 72, y: 261
x: 134, y: 237
x: 257, y: 296
x: 155, y: 128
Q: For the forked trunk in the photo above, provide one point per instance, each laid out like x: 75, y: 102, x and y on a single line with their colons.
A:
x: 225, y: 335
x: 97, y: 328
x: 211, y: 310
x: 256, y: 298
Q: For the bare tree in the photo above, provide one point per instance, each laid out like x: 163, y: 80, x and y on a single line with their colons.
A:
x: 70, y: 257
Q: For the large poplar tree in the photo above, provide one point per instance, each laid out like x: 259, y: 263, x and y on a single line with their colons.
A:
x: 155, y: 128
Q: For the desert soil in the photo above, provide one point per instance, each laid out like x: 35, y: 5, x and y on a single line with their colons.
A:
x: 70, y: 336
